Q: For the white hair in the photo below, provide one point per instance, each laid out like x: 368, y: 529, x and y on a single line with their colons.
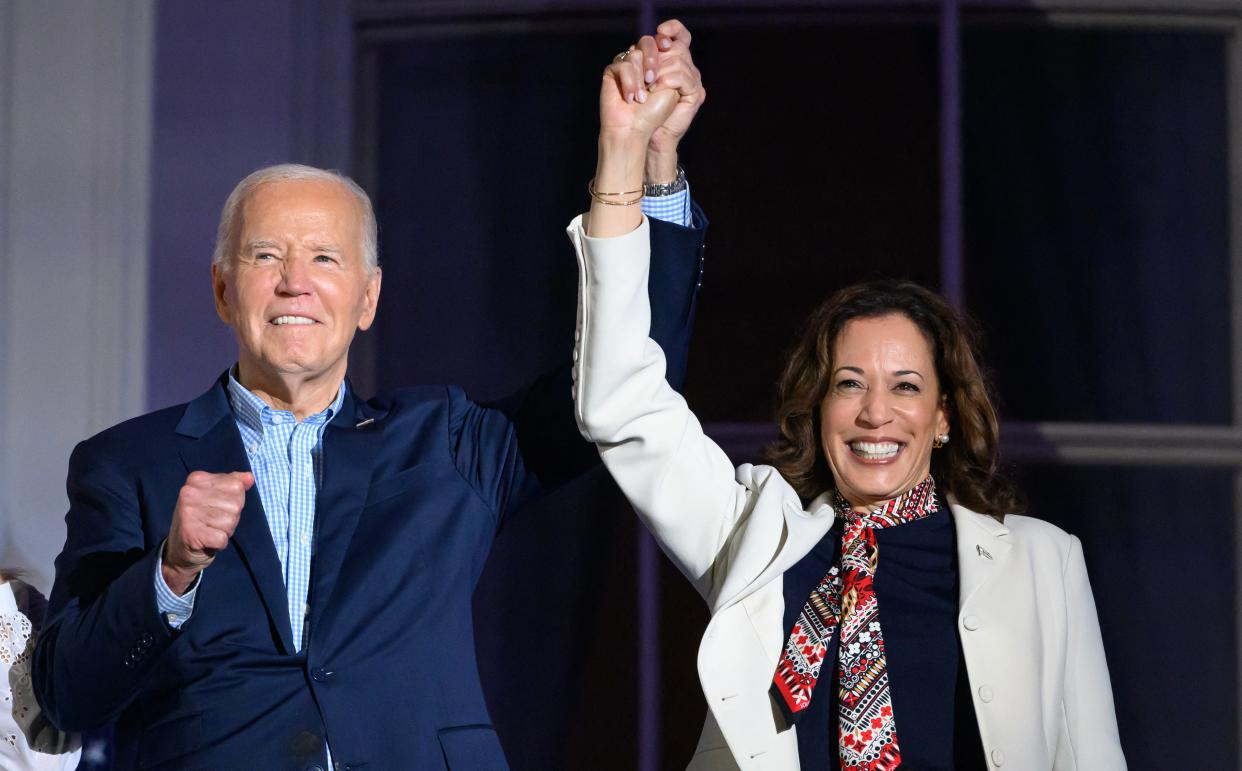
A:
x: 226, y: 233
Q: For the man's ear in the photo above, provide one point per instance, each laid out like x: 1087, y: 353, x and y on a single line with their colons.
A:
x: 219, y: 288
x: 371, y: 299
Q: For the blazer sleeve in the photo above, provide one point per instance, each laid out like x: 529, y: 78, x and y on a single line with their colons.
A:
x: 103, y: 633
x: 679, y: 481
x: 513, y: 450
x: 1089, y: 734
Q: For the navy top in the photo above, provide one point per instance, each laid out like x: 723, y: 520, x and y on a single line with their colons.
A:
x: 917, y: 589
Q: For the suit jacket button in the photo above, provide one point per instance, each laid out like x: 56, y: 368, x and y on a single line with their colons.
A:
x: 971, y: 623
x: 985, y: 694
x: 147, y: 640
x: 998, y: 758
x: 321, y: 675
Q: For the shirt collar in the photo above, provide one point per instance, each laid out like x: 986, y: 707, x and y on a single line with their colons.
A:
x: 254, y: 413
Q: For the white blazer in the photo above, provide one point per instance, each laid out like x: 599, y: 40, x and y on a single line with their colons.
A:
x: 1026, y: 616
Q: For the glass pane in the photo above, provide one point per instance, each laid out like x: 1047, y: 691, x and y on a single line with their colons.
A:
x: 1159, y: 545
x: 484, y: 139
x: 1097, y: 221
x: 814, y: 178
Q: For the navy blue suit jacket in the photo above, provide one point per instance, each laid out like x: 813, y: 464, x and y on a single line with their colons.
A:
x: 416, y: 484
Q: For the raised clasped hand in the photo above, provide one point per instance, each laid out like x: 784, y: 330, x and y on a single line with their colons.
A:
x: 653, y: 89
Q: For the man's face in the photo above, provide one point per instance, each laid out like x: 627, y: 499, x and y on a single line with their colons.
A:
x: 296, y: 285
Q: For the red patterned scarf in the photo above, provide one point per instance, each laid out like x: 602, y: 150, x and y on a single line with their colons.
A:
x: 866, y: 728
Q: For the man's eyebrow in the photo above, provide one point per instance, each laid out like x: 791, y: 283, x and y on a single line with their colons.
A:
x: 262, y: 244
x: 325, y: 247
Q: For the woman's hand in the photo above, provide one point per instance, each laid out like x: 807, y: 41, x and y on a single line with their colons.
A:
x: 629, y: 106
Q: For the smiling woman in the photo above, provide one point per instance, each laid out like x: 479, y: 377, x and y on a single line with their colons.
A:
x: 882, y: 492
x: 900, y: 339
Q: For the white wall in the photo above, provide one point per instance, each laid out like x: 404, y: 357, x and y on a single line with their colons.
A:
x: 75, y: 104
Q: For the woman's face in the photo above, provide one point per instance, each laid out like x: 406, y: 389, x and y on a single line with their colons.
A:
x: 882, y: 410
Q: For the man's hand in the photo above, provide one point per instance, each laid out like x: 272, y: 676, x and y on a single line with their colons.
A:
x: 667, y: 64
x: 208, y: 510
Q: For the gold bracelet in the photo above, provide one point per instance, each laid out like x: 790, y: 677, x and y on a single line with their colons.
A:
x: 641, y: 192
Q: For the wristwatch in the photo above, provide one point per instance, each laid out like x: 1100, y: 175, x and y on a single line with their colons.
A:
x: 668, y: 188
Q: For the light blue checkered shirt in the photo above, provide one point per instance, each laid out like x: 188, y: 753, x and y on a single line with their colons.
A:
x: 674, y: 207
x: 286, y: 456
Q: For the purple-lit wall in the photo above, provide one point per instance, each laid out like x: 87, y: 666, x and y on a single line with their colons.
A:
x: 238, y: 85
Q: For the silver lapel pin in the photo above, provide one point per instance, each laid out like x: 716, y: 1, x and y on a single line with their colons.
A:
x: 982, y: 552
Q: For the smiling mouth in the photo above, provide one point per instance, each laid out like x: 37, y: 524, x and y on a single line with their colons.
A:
x: 282, y: 321
x: 875, y: 451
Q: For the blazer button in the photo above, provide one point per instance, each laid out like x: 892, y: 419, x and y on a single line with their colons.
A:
x: 998, y: 758
x: 971, y: 623
x: 985, y: 694
x: 320, y: 675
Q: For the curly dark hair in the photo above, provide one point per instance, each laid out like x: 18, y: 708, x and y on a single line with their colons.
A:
x: 967, y: 467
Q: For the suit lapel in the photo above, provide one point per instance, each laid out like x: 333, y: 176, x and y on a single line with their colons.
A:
x: 351, y: 443
x: 983, y: 548
x: 212, y: 443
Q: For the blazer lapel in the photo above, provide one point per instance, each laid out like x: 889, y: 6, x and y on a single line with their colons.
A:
x: 983, y: 548
x: 214, y: 445
x: 351, y: 443
x: 802, y: 530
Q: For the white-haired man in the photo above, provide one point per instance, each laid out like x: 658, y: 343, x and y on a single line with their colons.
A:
x: 278, y: 575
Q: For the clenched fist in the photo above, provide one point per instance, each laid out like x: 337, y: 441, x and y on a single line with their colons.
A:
x: 208, y: 510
